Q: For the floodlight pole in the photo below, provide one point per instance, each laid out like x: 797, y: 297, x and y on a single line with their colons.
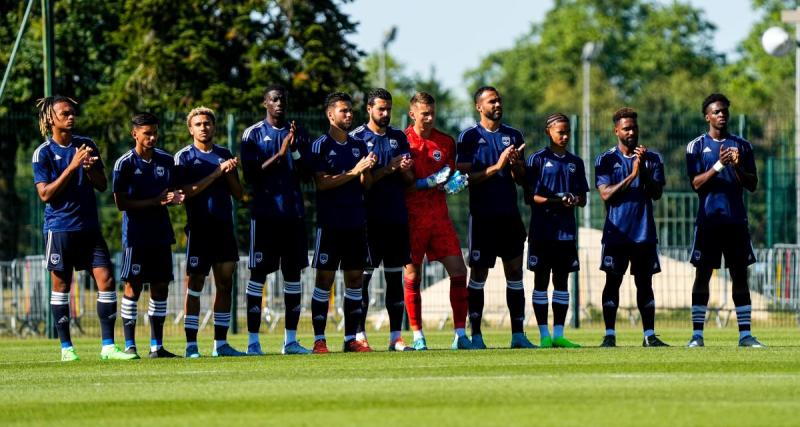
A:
x: 793, y: 17
x: 48, y: 42
x: 589, y: 53
x: 388, y: 37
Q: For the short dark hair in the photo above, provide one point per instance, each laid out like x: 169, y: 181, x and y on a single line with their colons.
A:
x: 624, y: 113
x: 144, y: 119
x: 481, y: 90
x: 555, y: 118
x: 378, y: 93
x: 276, y: 88
x: 715, y: 97
x: 335, y: 97
x: 422, y: 98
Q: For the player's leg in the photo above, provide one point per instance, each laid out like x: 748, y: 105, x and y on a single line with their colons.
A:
x: 129, y: 312
x: 262, y: 261
x: 291, y: 299
x: 610, y: 299
x: 223, y: 280
x: 644, y: 264
x: 565, y: 262
x: 157, y: 312
x: 700, y: 296
x: 395, y: 255
x: 195, y: 281
x: 413, y: 303
x: 738, y: 252
x: 515, y: 300
x: 326, y: 262
x: 482, y: 257
x: 60, y: 267
x: 354, y: 260
x: 539, y: 261
x: 457, y: 270
x: 475, y: 298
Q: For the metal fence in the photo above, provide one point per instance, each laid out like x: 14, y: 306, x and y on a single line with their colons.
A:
x: 774, y: 283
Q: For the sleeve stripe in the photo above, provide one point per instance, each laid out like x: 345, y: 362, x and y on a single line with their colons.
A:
x: 690, y: 146
x: 178, y: 154
x: 118, y: 163
x: 35, y: 158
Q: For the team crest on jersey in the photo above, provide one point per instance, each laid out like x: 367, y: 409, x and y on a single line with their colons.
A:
x: 533, y: 260
x: 506, y: 140
x: 194, y: 261
x: 608, y: 261
x: 136, y: 269
x: 259, y: 256
x: 437, y: 155
x: 160, y: 170
x: 476, y: 255
x: 356, y: 152
x: 393, y: 143
x: 323, y: 258
x: 696, y: 255
x: 571, y: 167
x: 55, y: 258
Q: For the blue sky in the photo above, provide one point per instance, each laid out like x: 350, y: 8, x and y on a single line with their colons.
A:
x: 428, y: 43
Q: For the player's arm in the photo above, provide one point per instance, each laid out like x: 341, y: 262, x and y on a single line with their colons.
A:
x: 197, y: 187
x: 288, y: 145
x: 653, y: 187
x: 392, y: 167
x: 607, y: 191
x: 745, y: 169
x: 234, y: 185
x: 516, y: 164
x: 326, y: 181
x: 48, y: 190
x: 127, y: 204
x: 477, y: 177
x: 699, y: 179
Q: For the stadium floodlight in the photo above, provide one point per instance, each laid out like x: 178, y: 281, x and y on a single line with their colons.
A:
x: 591, y: 50
x: 777, y: 42
x: 388, y: 36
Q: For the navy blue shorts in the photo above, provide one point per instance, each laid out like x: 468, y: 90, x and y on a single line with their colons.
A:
x: 147, y: 265
x: 713, y: 241
x: 492, y: 237
x: 388, y: 243
x: 208, y: 244
x: 560, y: 256
x: 340, y: 248
x: 643, y: 258
x: 278, y: 243
x: 79, y: 250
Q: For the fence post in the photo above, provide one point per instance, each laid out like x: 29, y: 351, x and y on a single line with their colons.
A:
x: 235, y: 281
x: 770, y: 187
x: 576, y: 297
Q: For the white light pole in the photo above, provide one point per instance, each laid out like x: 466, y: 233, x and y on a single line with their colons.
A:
x: 388, y: 37
x: 776, y: 41
x: 590, y: 51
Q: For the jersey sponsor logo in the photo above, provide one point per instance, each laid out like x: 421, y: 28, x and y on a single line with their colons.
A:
x: 707, y: 150
x: 506, y: 140
x: 608, y: 261
x: 696, y: 255
x: 323, y: 258
x: 136, y: 269
x: 194, y: 261
x: 572, y: 168
x: 476, y: 255
x: 137, y: 171
x: 259, y: 256
x: 55, y: 258
x: 356, y: 152
x: 548, y: 164
x: 160, y: 170
x: 533, y: 260
x: 437, y: 155
x: 393, y: 143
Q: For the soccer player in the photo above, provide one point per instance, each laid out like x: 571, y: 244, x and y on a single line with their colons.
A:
x: 271, y: 158
x: 67, y: 169
x: 432, y: 231
x: 629, y: 178
x: 556, y: 185
x: 208, y: 174
x: 387, y: 217
x: 720, y: 166
x: 143, y: 187
x: 490, y: 152
x: 342, y: 165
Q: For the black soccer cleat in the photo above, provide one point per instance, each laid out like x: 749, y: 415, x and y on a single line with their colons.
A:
x: 162, y: 353
x: 653, y: 341
x: 609, y: 341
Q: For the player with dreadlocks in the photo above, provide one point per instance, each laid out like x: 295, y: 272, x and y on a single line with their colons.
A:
x: 67, y: 169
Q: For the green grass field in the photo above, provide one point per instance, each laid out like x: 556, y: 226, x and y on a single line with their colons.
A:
x: 717, y: 385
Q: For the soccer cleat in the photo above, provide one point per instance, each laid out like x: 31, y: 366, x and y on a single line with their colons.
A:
x: 561, y: 342
x: 355, y: 346
x: 320, y: 347
x: 162, y: 353
x: 112, y: 352
x: 294, y: 347
x: 477, y: 342
x: 254, y: 349
x: 461, y: 343
x: 696, y: 341
x: 400, y: 345
x: 653, y: 341
x: 226, y: 350
x: 750, y: 341
x: 519, y: 340
x: 69, y: 355
x: 609, y: 341
x: 192, y: 352
x: 132, y: 350
x: 546, y: 342
x: 420, y: 344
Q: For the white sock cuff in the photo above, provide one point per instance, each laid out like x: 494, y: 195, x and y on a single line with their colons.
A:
x: 59, y: 298
x: 321, y: 295
x: 255, y: 289
x: 192, y: 293
x: 475, y: 285
x: 353, y: 294
x: 515, y: 285
x: 109, y: 297
x: 292, y: 288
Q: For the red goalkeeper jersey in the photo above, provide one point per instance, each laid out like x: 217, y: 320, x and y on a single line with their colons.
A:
x: 429, y: 155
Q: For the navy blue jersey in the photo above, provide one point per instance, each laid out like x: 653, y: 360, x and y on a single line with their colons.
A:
x: 386, y: 203
x: 192, y: 165
x: 74, y: 208
x: 629, y: 214
x: 721, y: 197
x: 548, y: 174
x: 496, y: 196
x: 139, y: 179
x: 342, y: 206
x: 276, y: 190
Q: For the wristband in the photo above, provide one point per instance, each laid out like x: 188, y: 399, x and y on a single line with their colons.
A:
x: 718, y: 166
x: 423, y: 184
x: 296, y: 155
